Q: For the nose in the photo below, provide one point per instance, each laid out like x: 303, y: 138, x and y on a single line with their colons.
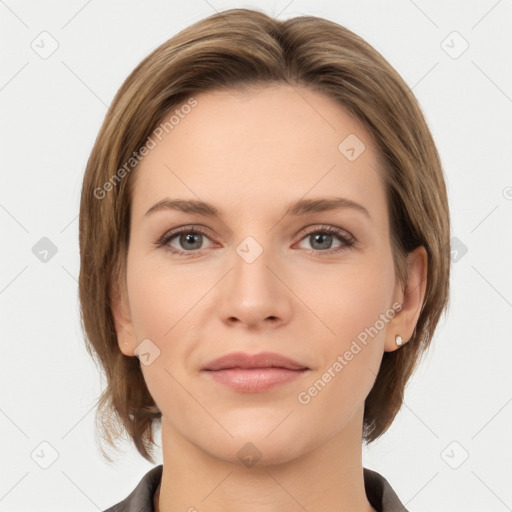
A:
x: 255, y: 294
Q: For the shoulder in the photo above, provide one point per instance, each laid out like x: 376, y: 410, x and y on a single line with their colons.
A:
x: 141, y: 498
x: 380, y: 493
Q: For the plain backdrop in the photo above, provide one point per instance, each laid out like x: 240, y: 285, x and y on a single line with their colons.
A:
x: 450, y: 447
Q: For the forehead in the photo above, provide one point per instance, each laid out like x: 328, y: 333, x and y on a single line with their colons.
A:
x: 262, y: 148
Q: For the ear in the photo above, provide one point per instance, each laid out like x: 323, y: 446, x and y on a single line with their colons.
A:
x: 411, y: 299
x: 126, y: 338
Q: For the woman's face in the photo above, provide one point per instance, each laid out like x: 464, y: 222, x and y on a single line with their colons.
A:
x: 281, y: 267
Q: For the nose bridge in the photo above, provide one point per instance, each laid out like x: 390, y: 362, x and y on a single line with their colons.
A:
x: 252, y: 293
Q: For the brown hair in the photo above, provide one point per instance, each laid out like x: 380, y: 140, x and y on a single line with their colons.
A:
x: 236, y: 49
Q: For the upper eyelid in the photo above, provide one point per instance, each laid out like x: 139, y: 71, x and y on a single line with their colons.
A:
x: 313, y: 228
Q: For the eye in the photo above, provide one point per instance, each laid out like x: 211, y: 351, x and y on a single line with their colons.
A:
x: 185, y: 241
x: 327, y: 239
x: 192, y: 240
x: 189, y: 241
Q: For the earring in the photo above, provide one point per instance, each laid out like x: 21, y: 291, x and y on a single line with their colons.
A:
x: 398, y: 340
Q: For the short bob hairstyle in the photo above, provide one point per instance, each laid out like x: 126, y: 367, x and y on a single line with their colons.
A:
x: 234, y: 50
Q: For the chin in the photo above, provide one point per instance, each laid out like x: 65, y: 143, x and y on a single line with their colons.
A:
x: 257, y: 445
x: 254, y: 452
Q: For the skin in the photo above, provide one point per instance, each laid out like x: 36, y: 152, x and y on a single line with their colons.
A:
x: 251, y: 155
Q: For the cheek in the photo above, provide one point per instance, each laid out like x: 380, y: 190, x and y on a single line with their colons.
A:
x: 354, y: 305
x: 350, y: 356
x: 164, y: 304
x: 161, y: 296
x: 350, y: 298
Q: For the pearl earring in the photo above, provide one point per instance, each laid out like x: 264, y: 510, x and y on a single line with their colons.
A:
x: 398, y: 340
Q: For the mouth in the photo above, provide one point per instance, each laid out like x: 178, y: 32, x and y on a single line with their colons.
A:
x: 254, y: 373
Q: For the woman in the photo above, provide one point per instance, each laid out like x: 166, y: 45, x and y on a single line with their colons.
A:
x: 264, y: 241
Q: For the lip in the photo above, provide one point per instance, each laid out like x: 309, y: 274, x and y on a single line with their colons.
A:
x: 254, y: 373
x: 249, y: 361
x: 254, y: 380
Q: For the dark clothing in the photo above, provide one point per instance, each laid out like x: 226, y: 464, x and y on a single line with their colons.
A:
x: 379, y: 493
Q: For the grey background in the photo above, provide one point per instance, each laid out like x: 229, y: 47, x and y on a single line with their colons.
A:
x: 450, y: 447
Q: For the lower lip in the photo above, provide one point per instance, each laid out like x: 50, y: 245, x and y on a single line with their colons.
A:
x: 255, y: 379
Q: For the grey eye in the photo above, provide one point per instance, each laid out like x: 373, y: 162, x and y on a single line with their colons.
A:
x: 189, y: 241
x: 321, y: 241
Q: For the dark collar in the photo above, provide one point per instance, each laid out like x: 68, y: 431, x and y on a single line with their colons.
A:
x: 380, y: 494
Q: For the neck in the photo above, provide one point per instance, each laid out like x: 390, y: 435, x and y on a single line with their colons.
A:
x: 330, y: 477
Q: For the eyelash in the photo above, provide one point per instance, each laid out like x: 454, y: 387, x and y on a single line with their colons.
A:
x: 347, y: 240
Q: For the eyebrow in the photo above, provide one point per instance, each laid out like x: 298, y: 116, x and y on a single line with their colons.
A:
x: 301, y: 207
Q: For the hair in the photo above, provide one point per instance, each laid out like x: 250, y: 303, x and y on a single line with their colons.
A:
x: 235, y: 50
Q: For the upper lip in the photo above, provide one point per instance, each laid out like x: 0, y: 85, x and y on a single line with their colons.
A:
x: 261, y: 360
